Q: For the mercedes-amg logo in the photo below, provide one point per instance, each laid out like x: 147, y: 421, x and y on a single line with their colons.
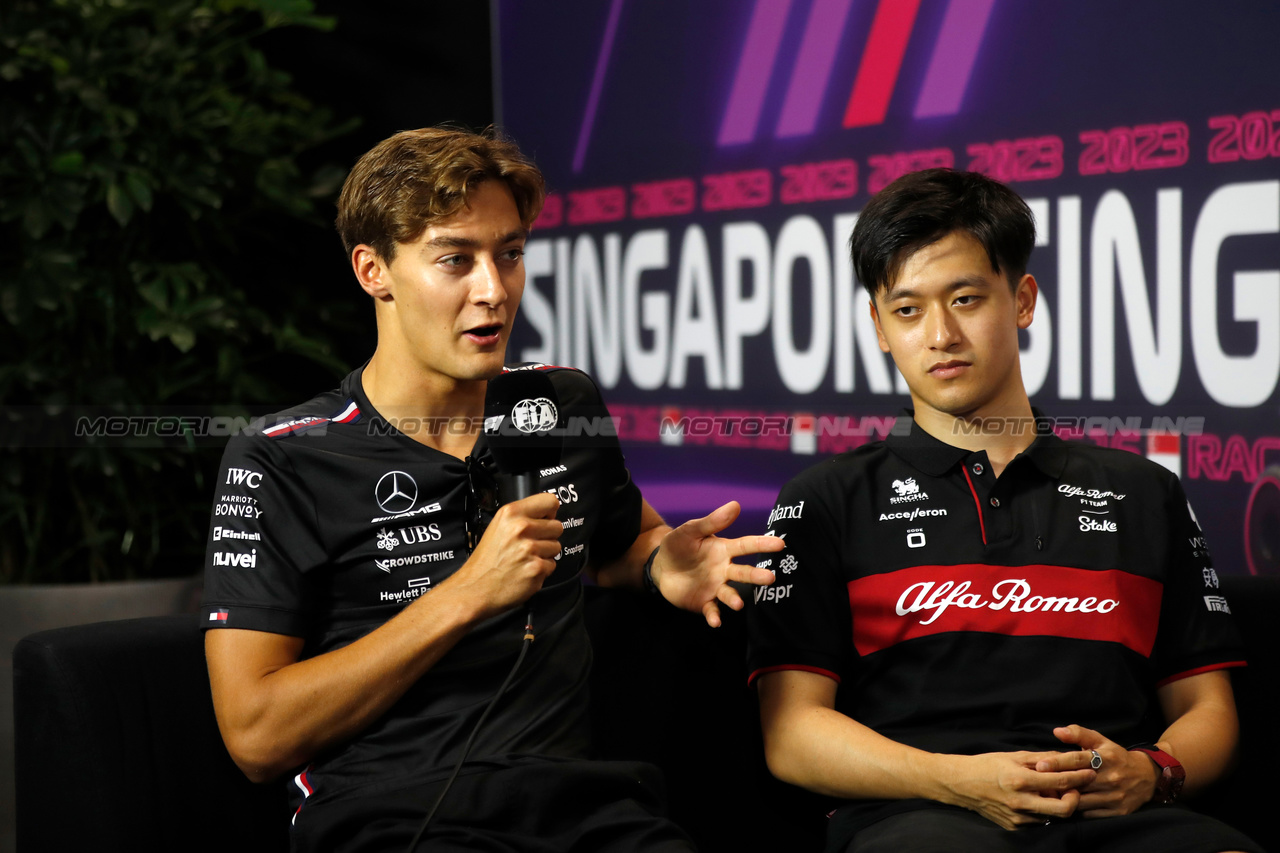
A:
x: 537, y: 415
x: 396, y: 492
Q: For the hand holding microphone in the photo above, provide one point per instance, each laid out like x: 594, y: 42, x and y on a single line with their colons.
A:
x: 517, y: 552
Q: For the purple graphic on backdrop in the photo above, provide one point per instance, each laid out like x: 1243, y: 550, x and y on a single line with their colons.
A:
x: 953, y: 58
x: 751, y: 83
x: 708, y: 160
x: 597, y: 83
x: 818, y: 50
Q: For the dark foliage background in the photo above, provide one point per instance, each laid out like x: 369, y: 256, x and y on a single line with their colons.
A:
x: 167, y: 180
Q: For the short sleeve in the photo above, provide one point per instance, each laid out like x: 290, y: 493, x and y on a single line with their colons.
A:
x: 1197, y: 633
x: 802, y: 620
x: 263, y: 542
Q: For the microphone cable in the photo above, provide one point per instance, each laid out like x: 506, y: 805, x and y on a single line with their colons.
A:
x: 524, y: 649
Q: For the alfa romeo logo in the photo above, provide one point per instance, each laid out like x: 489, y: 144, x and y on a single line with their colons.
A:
x: 396, y: 492
x: 537, y: 415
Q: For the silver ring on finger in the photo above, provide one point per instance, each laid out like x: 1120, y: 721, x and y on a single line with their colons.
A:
x: 1096, y: 761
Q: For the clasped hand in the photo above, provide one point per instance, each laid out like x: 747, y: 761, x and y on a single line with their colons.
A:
x: 1016, y: 789
x: 1125, y: 782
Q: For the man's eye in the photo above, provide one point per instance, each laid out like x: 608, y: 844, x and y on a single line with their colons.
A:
x: 453, y: 261
x: 906, y: 310
x: 514, y: 254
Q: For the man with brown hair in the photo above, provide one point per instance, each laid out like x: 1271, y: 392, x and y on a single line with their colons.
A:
x: 364, y: 592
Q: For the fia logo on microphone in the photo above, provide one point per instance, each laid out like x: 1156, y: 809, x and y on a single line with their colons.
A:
x: 535, y: 415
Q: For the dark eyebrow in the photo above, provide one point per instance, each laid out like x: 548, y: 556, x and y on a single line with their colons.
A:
x: 468, y: 243
x: 908, y: 293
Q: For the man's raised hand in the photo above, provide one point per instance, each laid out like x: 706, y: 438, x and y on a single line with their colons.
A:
x: 694, y: 566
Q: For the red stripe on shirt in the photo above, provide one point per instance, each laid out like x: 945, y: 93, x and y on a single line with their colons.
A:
x: 1022, y: 601
x: 981, y: 524
x: 788, y: 666
x: 1200, y: 670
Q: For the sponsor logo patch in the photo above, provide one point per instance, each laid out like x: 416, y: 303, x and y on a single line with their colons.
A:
x: 780, y: 513
x: 907, y: 491
x: 232, y: 533
x: 237, y: 506
x: 565, y: 494
x: 772, y: 594
x: 243, y: 476
x: 1092, y: 525
x: 570, y: 551
x: 415, y: 560
x: 244, y: 561
x: 1093, y: 494
x: 1033, y: 600
x: 913, y: 514
x: 387, y: 541
x: 396, y: 492
x: 422, y: 510
x: 1216, y: 604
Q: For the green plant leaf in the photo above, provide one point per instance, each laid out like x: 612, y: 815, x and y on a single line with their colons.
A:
x: 119, y: 203
x: 138, y: 190
x: 68, y: 163
x: 183, y: 337
x: 111, y: 109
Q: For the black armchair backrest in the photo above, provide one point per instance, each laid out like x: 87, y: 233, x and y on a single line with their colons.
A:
x: 117, y: 748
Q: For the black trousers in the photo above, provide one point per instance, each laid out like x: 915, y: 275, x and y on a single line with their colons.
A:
x: 1160, y: 829
x: 530, y: 805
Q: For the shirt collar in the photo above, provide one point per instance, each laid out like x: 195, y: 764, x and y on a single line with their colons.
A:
x: 934, y: 457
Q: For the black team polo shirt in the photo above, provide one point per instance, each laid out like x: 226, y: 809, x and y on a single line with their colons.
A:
x: 328, y: 521
x: 961, y: 613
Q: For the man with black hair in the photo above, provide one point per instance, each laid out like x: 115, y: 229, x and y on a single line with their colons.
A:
x: 366, y: 600
x: 987, y: 628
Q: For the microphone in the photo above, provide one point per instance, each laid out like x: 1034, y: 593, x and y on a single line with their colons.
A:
x: 522, y: 424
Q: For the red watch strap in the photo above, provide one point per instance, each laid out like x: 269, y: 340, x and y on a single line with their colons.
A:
x: 1159, y: 756
x: 1172, y: 774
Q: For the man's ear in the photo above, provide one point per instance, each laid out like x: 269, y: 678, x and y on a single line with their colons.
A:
x: 1024, y: 296
x: 372, y: 272
x: 875, y: 318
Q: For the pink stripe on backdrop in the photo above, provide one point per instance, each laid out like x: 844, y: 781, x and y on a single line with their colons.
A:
x: 953, y: 57
x: 813, y: 67
x: 881, y: 62
x: 755, y: 67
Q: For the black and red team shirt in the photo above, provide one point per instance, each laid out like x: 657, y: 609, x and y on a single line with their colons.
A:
x: 328, y: 521
x: 961, y: 613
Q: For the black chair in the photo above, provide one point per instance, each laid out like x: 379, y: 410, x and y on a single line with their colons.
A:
x: 117, y: 748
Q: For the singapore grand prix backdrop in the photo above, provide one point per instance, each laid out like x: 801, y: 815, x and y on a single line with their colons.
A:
x: 708, y: 161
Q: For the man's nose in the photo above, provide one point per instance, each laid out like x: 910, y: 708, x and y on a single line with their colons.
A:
x: 486, y: 285
x: 942, y: 330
